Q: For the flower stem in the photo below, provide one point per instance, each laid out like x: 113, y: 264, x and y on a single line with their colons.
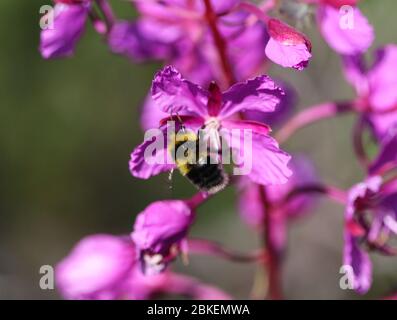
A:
x: 198, y: 199
x: 202, y: 246
x: 358, y: 146
x: 333, y: 193
x: 220, y: 43
x: 107, y: 12
x: 272, y: 264
x: 312, y: 115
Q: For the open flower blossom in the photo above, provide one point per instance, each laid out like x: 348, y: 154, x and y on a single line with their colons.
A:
x: 104, y: 267
x: 375, y: 87
x: 160, y: 233
x: 287, y: 46
x: 60, y: 40
x: 370, y: 219
x: 347, y: 32
x: 218, y: 111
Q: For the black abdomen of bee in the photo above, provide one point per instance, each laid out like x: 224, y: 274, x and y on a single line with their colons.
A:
x: 207, y: 176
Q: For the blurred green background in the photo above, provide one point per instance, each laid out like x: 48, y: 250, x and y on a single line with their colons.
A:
x: 68, y: 127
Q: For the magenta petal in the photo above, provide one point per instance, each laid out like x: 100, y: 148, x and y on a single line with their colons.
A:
x: 69, y: 23
x: 381, y: 123
x: 360, y: 263
x: 355, y: 73
x: 287, y: 46
x: 383, y: 79
x: 224, y: 6
x: 269, y: 163
x: 162, y: 224
x: 139, y: 286
x: 288, y: 56
x: 156, y: 162
x: 258, y: 94
x: 151, y: 114
x: 247, y: 51
x: 388, y: 151
x: 129, y: 39
x: 361, y: 190
x: 153, y: 117
x: 255, y: 126
x: 263, y: 162
x: 345, y: 41
x: 390, y: 203
x: 175, y: 95
x: 283, y: 110
x: 96, y: 268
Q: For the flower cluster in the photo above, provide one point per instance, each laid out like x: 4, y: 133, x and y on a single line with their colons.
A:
x: 213, y: 89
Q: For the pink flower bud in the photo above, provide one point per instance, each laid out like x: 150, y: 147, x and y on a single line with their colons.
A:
x: 287, y: 46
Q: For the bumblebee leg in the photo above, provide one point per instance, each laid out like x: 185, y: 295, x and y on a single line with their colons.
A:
x: 170, y: 179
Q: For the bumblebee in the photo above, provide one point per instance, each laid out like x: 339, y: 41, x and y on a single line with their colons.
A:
x: 199, y: 166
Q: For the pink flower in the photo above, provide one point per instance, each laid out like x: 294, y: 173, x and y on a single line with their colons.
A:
x: 353, y: 255
x: 69, y: 23
x: 375, y: 87
x: 219, y: 111
x: 287, y: 46
x: 159, y: 233
x: 344, y: 38
x: 96, y: 268
x: 370, y: 219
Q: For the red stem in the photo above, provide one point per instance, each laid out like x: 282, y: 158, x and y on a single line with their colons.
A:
x: 198, y: 199
x: 272, y: 264
x: 107, y: 13
x: 358, y: 143
x: 220, y: 43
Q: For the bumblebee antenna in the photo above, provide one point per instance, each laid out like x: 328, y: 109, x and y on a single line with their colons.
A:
x: 179, y: 121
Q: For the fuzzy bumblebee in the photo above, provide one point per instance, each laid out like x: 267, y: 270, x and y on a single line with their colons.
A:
x: 201, y: 167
